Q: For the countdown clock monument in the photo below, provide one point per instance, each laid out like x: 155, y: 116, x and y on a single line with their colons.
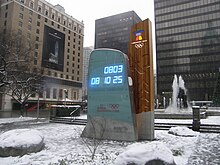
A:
x: 121, y: 91
x: 110, y: 99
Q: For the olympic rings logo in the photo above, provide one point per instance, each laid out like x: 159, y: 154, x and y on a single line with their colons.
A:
x: 139, y: 45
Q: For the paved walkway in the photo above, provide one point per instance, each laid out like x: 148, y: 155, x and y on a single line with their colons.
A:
x: 207, y: 151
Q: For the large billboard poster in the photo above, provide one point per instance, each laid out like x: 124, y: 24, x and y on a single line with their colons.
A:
x: 53, y: 49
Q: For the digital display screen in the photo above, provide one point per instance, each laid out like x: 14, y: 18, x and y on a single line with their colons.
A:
x: 109, y: 75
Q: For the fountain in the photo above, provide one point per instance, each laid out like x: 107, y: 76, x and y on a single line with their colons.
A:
x: 179, y: 107
x: 179, y: 98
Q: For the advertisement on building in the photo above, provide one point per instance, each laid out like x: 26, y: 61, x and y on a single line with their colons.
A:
x: 53, y: 49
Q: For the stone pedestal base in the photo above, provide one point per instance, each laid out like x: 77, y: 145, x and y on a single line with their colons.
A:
x: 145, y: 125
x: 102, y: 128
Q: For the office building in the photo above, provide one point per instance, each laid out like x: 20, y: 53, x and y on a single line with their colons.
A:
x: 86, y: 55
x: 58, y: 41
x: 113, y: 31
x: 188, y: 44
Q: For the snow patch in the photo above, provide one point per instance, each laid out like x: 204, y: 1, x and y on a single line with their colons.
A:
x: 182, y: 131
x: 20, y: 137
x: 141, y: 153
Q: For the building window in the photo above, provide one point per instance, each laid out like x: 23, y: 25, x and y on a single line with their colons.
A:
x: 31, y: 5
x: 29, y: 27
x: 41, y: 94
x: 22, y: 8
x: 36, y: 46
x: 53, y: 16
x: 35, y: 61
x: 54, y: 93
x: 64, y: 29
x: 39, y: 8
x: 52, y: 23
x: 37, y: 38
x: 20, y: 15
x: 35, y: 54
x: 45, y: 19
x: 48, y: 93
x: 6, y: 15
x: 30, y: 20
x: 38, y: 23
x: 20, y: 23
x: 46, y: 13
x: 58, y: 26
x: 61, y: 94
x: 67, y: 76
x: 19, y: 32
x: 5, y: 23
x: 55, y: 74
x: 37, y: 31
x: 30, y: 12
x: 22, y: 1
x: 38, y: 16
x: 29, y: 36
x: 74, y: 95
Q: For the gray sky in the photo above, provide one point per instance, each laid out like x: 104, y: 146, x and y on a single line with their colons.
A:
x: 90, y: 10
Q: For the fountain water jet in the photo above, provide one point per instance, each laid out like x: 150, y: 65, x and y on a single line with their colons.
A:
x: 179, y: 97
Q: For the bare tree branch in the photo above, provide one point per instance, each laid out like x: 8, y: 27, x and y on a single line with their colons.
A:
x: 18, y: 77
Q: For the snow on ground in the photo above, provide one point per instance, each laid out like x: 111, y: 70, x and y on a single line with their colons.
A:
x: 64, y: 144
x: 20, y: 137
x: 12, y: 120
x: 209, y: 120
x: 142, y: 153
x: 182, y: 131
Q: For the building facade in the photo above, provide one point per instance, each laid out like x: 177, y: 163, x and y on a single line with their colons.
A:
x: 188, y: 44
x: 113, y: 31
x: 58, y: 41
x: 86, y: 56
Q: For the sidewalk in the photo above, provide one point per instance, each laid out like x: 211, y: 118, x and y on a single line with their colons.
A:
x: 207, y: 151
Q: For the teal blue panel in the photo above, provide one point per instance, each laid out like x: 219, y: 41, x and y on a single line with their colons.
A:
x: 108, y: 90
